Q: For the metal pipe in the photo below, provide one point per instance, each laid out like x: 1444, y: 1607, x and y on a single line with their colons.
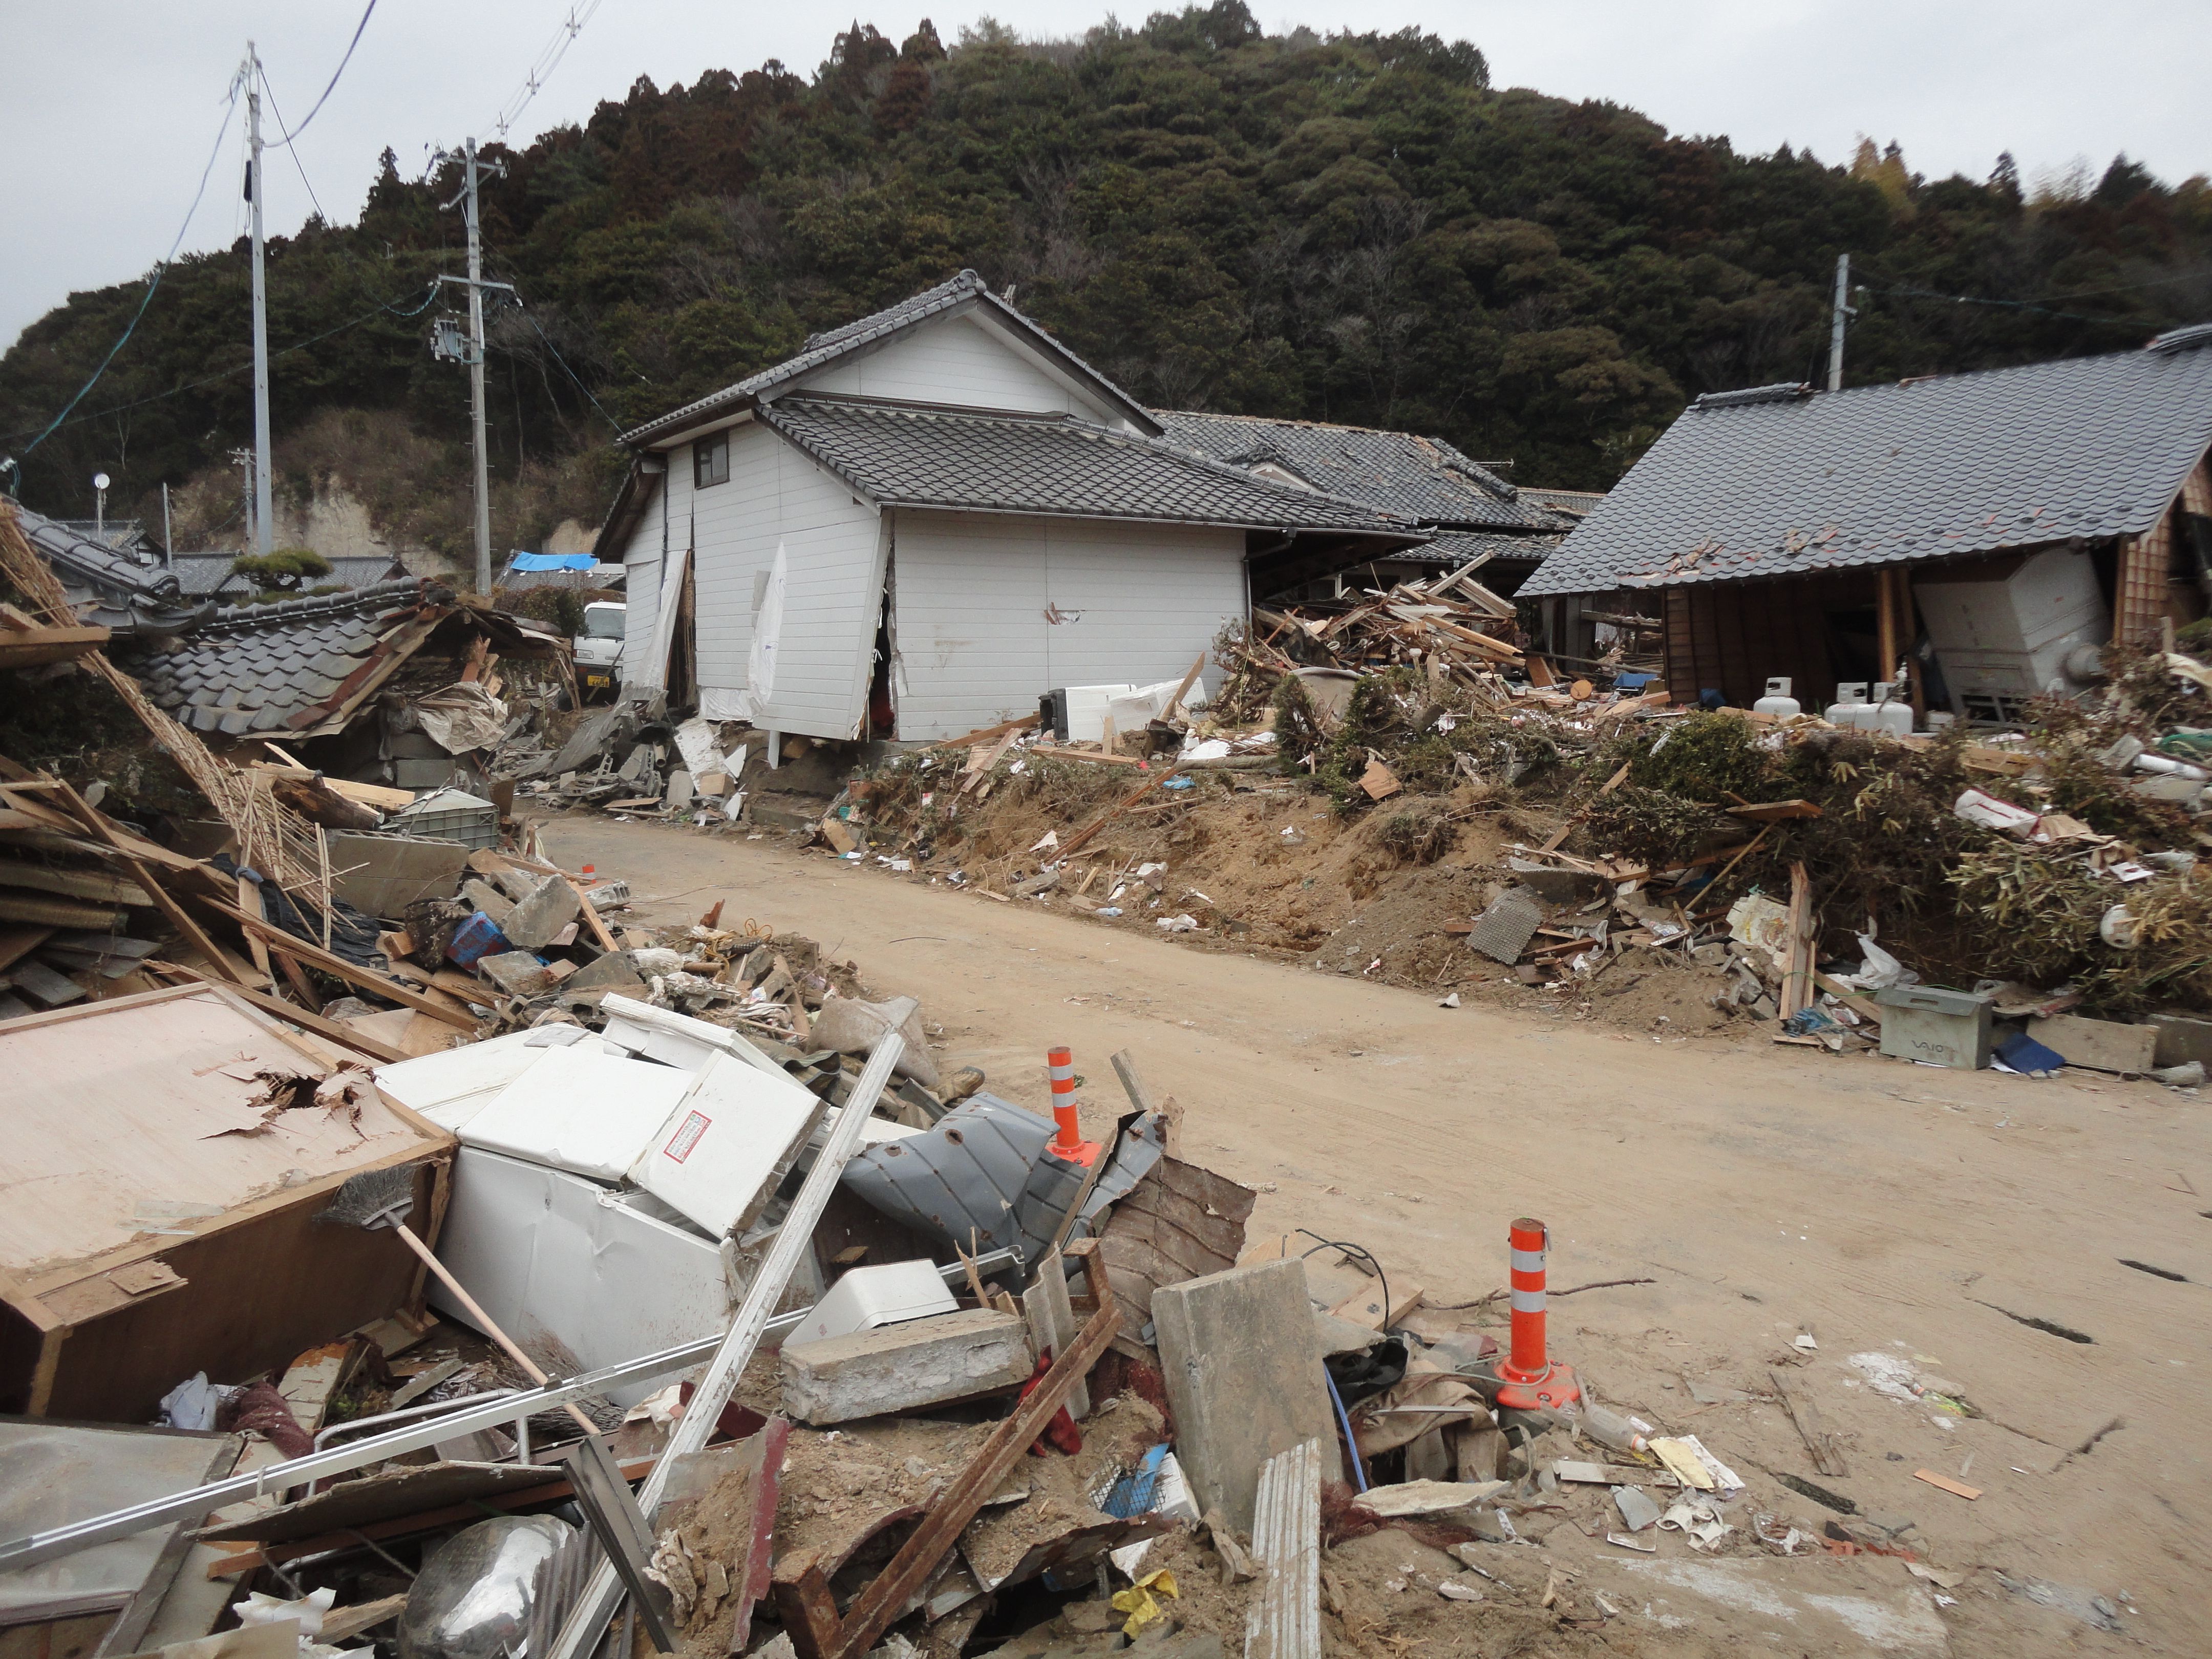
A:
x: 407, y: 1411
x: 35, y: 1548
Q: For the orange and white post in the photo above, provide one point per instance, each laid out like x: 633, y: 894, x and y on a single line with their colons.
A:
x: 1532, y: 1382
x: 1068, y: 1143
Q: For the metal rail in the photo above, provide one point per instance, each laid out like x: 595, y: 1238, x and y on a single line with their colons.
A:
x: 193, y: 1505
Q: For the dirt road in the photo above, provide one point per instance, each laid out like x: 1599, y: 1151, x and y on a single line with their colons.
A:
x: 1882, y: 1207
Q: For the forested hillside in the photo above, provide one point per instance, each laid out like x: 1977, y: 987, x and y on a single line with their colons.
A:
x: 1354, y: 227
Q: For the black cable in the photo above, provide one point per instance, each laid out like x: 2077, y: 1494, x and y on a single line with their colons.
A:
x: 286, y: 140
x: 297, y: 166
x: 285, y: 351
x: 1364, y: 1254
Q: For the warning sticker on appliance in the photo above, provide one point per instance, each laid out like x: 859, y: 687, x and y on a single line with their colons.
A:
x: 687, y: 1135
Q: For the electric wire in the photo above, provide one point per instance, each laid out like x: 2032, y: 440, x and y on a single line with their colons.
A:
x: 295, y: 132
x: 543, y: 65
x: 1365, y: 1254
x: 382, y: 308
x: 153, y: 283
x: 297, y: 165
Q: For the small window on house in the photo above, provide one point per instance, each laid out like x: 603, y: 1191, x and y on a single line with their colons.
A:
x: 710, y: 460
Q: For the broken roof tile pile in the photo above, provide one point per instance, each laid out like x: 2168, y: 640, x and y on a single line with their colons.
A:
x: 1424, y: 479
x: 1781, y: 481
x: 918, y: 457
x: 279, y: 668
x: 110, y: 588
x: 209, y: 576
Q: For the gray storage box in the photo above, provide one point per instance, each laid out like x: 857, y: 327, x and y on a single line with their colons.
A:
x: 1944, y: 1028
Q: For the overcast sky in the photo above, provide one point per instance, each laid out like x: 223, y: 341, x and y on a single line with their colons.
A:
x: 113, y: 106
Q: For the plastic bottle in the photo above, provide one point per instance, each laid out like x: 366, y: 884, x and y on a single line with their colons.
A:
x: 1849, y: 704
x: 1778, y: 702
x: 1610, y: 1428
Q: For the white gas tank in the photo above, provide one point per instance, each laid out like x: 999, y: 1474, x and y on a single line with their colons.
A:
x: 1778, y: 702
x: 1850, y: 706
x: 1887, y: 713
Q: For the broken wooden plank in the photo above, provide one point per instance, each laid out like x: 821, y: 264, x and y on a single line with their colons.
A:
x: 369, y: 979
x: 1956, y: 1488
x: 1858, y: 1004
x: 810, y: 1611
x: 98, y: 884
x: 1805, y: 1418
x: 1774, y: 811
x: 1044, y: 751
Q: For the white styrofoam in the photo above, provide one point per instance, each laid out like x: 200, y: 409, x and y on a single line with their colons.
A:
x: 591, y: 1114
x: 451, y: 1087
x: 577, y: 1276
x: 675, y: 1039
x: 718, y: 1155
x: 867, y: 1297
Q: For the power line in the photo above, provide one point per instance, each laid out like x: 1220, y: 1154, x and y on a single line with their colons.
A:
x: 297, y: 165
x: 543, y: 65
x: 286, y: 140
x: 619, y: 426
x: 2008, y: 305
x: 153, y: 283
x: 381, y: 306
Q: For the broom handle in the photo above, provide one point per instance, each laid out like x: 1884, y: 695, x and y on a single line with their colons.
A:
x: 483, y: 1320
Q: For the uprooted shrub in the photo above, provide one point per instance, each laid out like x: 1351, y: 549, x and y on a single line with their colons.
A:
x: 1417, y: 832
x: 2039, y: 919
x: 1703, y: 757
x: 1651, y: 827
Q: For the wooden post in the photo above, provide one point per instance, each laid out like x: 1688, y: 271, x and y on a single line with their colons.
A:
x: 1885, y: 611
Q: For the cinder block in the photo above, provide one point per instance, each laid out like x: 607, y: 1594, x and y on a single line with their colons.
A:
x: 2182, y: 1038
x: 907, y: 1366
x: 548, y: 908
x: 1244, y: 1377
x: 2102, y: 1045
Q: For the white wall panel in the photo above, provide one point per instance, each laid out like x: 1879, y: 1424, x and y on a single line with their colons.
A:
x: 955, y: 361
x: 775, y: 494
x: 642, y: 585
x: 973, y: 589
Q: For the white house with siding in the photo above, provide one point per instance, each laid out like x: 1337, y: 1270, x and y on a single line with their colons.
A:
x: 931, y: 517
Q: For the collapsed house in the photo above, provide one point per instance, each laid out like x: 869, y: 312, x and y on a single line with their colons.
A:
x: 1478, y: 521
x: 931, y: 516
x: 1981, y: 526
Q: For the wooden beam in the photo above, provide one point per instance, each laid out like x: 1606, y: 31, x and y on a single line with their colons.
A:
x: 599, y: 928
x: 83, y: 812
x: 313, y: 955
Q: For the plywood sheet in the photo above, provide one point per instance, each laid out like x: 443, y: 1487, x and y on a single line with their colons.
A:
x: 121, y: 1108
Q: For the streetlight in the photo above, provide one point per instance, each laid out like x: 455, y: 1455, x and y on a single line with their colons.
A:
x: 100, y: 506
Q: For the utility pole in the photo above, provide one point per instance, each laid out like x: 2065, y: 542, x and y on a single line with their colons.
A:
x: 264, y: 518
x: 1836, y: 322
x: 477, y: 377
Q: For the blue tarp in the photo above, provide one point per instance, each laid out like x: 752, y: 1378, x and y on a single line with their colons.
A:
x: 550, y: 561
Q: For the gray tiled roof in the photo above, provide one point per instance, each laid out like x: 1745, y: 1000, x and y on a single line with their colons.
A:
x: 1422, y: 479
x: 915, y: 455
x: 281, y: 667
x: 1789, y: 483
x: 964, y: 291
x: 110, y: 589
x: 1458, y: 547
x: 209, y: 574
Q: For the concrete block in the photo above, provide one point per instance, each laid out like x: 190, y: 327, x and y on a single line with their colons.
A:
x: 615, y: 970
x: 517, y: 973
x: 679, y: 790
x: 551, y: 905
x: 1243, y: 1374
x: 2102, y: 1045
x: 906, y: 1367
x: 2182, y: 1038
x: 486, y: 898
